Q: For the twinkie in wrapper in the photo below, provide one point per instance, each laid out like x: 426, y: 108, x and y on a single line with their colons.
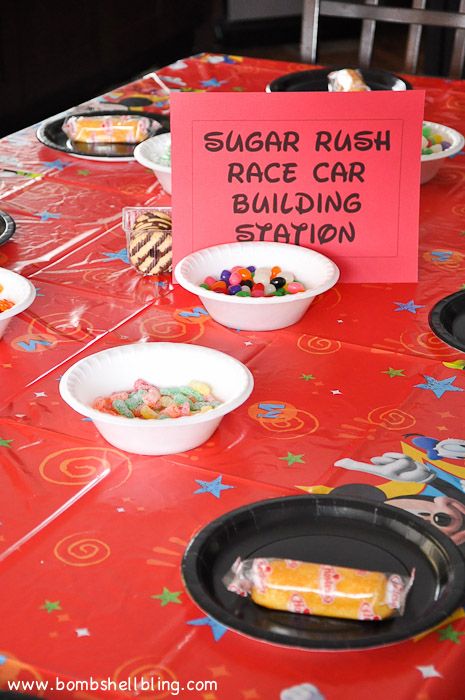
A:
x: 108, y: 128
x: 320, y: 589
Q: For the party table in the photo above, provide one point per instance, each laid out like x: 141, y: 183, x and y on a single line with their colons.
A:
x: 92, y: 538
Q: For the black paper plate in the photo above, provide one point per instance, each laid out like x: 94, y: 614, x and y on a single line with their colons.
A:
x: 447, y: 320
x: 331, y: 530
x: 317, y: 81
x: 7, y: 227
x: 51, y: 134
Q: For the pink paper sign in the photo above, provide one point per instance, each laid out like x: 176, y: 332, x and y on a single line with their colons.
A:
x: 337, y: 172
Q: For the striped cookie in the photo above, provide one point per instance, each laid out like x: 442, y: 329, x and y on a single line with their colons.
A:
x: 150, y: 251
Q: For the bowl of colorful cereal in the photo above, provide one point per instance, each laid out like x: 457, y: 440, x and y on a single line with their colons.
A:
x: 155, y: 153
x: 438, y: 143
x: 256, y: 286
x: 156, y: 398
x: 16, y: 294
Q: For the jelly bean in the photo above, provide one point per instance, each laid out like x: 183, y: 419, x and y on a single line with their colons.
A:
x: 445, y: 144
x: 243, y: 294
x: 275, y: 271
x: 436, y: 138
x: 257, y: 292
x: 436, y: 148
x: 244, y: 273
x: 288, y: 276
x: 252, y: 268
x: 269, y: 289
x: 225, y: 275
x: 210, y: 280
x: 220, y: 287
x: 234, y: 288
x: 294, y: 287
x: 259, y: 285
x: 204, y: 286
x: 278, y: 282
x: 236, y: 268
x: 280, y: 292
x: 247, y: 283
x: 235, y: 278
x: 262, y: 274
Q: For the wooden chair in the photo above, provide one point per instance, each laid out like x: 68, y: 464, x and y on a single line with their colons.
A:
x: 369, y: 11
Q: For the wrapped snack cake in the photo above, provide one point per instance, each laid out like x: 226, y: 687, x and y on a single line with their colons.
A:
x: 346, y: 80
x: 122, y: 128
x: 319, y: 589
x: 149, y: 240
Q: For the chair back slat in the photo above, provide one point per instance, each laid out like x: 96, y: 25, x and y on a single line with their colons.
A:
x: 413, y: 40
x: 367, y: 39
x: 309, y: 39
x: 371, y: 12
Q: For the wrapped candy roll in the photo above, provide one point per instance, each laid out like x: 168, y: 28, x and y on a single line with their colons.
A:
x: 346, y: 80
x: 319, y: 589
x: 108, y: 129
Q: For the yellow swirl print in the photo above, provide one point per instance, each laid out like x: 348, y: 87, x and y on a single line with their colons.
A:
x: 77, y: 466
x: 142, y: 668
x: 315, y: 345
x: 391, y: 418
x: 79, y: 549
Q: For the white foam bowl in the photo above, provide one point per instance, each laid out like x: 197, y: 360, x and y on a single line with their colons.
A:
x: 430, y: 164
x: 162, y: 364
x: 316, y: 272
x: 148, y: 154
x: 15, y: 288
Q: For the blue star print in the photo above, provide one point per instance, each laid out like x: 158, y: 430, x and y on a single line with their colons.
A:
x: 217, y: 629
x: 408, y: 306
x: 213, y: 82
x: 438, y: 386
x: 214, y: 487
x: 46, y: 215
x: 441, y: 255
x: 58, y: 164
x: 119, y: 255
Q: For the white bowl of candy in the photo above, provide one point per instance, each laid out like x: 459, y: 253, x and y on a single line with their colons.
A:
x: 156, y: 398
x: 16, y: 294
x: 300, y: 273
x: 438, y: 143
x: 155, y: 153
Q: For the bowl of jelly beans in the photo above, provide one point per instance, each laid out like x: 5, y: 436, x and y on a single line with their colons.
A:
x: 16, y: 294
x: 438, y: 143
x: 259, y: 285
x: 156, y: 398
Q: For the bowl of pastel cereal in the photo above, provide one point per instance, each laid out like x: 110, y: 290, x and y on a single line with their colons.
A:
x: 155, y: 153
x: 438, y: 143
x: 257, y: 285
x: 156, y: 398
x: 16, y: 294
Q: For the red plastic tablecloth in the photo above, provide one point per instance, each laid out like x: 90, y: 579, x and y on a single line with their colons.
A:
x: 97, y: 593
